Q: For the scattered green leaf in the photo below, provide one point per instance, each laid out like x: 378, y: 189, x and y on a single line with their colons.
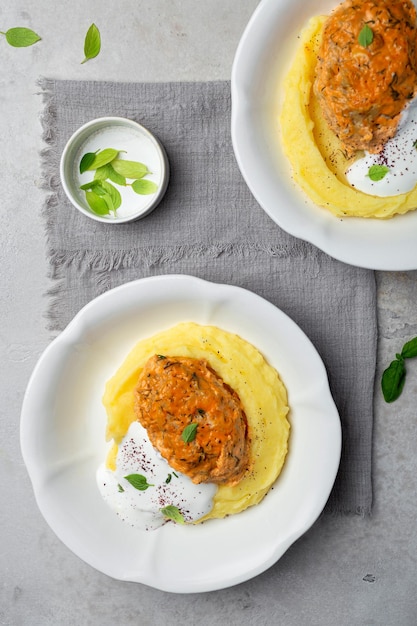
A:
x: 144, y: 187
x: 120, y: 488
x: 393, y: 378
x: 366, y: 36
x: 20, y: 37
x: 409, y: 350
x: 138, y: 481
x: 92, y: 43
x: 168, y: 479
x: 377, y: 172
x: 189, y: 433
x: 173, y: 513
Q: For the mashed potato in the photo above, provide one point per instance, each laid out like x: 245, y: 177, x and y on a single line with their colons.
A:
x: 243, y: 368
x: 316, y: 155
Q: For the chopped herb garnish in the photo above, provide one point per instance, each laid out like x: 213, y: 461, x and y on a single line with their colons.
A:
x: 168, y: 479
x: 120, y: 488
x: 189, y: 432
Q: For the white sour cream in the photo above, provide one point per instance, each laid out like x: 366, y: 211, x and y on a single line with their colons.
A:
x: 142, y: 508
x: 399, y: 155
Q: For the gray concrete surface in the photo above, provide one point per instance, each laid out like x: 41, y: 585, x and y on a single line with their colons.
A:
x: 345, y: 570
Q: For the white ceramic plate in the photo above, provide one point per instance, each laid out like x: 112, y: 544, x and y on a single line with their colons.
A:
x: 262, y: 60
x: 63, y: 427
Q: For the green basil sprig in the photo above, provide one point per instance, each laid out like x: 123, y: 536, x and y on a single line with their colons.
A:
x: 20, y: 37
x: 393, y: 378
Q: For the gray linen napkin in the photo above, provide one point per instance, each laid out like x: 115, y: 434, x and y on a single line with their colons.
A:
x: 210, y: 226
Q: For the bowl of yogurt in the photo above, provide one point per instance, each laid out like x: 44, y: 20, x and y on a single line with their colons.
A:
x: 114, y: 170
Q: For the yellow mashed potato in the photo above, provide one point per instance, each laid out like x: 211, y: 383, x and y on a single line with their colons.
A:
x: 261, y: 391
x: 315, y: 153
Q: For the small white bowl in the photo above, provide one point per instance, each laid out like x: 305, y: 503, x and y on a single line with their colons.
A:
x: 135, y: 143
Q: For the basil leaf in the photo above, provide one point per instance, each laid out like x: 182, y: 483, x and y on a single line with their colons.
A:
x: 366, y: 36
x: 21, y: 37
x: 107, y: 171
x: 173, y: 513
x: 144, y: 187
x: 377, y: 172
x: 86, y: 161
x: 409, y: 349
x: 102, y: 172
x: 96, y: 203
x: 112, y: 192
x: 130, y: 169
x: 189, y: 432
x: 138, y: 481
x: 103, y: 157
x: 92, y: 43
x: 393, y: 380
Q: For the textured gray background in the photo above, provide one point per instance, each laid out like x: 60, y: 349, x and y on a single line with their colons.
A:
x: 345, y: 570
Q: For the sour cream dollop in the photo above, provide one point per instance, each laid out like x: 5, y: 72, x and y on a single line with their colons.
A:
x: 142, y: 508
x: 399, y: 156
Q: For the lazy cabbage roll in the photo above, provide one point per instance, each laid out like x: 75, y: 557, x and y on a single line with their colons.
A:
x: 366, y: 71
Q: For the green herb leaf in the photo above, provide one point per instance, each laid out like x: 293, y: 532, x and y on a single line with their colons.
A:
x: 173, y: 513
x: 189, y: 432
x: 112, y: 192
x: 96, y: 203
x: 130, y: 169
x: 92, y: 43
x: 120, y: 488
x: 144, y: 187
x: 168, y: 479
x: 138, y: 481
x: 366, y: 36
x: 102, y: 158
x: 393, y: 380
x: 410, y: 349
x: 107, y: 171
x: 86, y: 161
x: 377, y: 172
x: 20, y: 37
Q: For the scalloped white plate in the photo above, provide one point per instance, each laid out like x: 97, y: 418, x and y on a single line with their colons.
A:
x: 63, y: 429
x: 262, y: 59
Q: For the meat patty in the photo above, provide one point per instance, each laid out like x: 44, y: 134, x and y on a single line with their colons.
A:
x: 194, y: 419
x: 366, y: 71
